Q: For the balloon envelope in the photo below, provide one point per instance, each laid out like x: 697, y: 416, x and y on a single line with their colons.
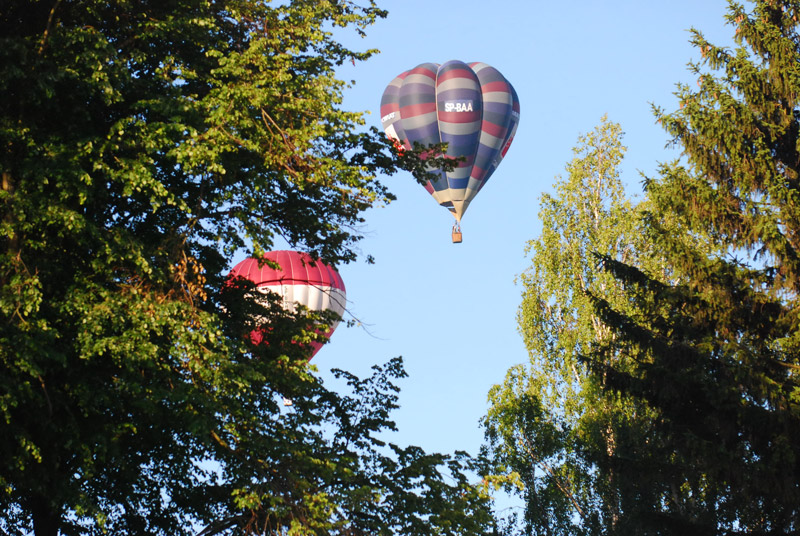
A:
x: 471, y: 107
x: 299, y: 279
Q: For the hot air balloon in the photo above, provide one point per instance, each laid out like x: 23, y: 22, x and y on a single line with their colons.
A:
x: 471, y: 107
x: 300, y: 279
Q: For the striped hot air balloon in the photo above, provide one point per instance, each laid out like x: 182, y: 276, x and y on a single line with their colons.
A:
x: 471, y: 107
x: 301, y: 280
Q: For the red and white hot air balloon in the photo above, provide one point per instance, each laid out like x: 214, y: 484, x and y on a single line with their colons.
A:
x: 300, y: 279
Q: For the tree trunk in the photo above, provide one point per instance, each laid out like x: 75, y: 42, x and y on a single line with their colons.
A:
x: 45, y: 519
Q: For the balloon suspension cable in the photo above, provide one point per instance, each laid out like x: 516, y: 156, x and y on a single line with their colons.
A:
x: 456, y: 233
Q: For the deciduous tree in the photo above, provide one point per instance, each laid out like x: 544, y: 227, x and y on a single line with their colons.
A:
x: 551, y: 427
x: 141, y: 144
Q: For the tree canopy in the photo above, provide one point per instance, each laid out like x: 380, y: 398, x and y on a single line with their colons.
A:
x: 695, y: 339
x: 143, y: 143
x: 715, y: 343
x: 551, y: 427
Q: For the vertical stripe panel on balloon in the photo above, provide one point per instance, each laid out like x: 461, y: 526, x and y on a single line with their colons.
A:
x: 300, y: 291
x: 418, y: 105
x: 316, y: 298
x: 509, y: 137
x: 390, y: 111
x: 289, y: 297
x: 338, y: 301
x: 300, y: 269
x: 326, y: 298
x: 247, y: 269
x: 497, y: 115
x: 337, y: 280
x: 459, y: 111
x: 418, y: 111
x: 315, y: 272
x: 300, y: 272
x: 337, y: 293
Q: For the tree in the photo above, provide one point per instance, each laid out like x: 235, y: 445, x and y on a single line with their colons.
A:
x: 142, y: 144
x: 713, y: 341
x: 551, y: 428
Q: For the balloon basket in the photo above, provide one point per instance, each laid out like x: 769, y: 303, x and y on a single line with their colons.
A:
x: 456, y: 234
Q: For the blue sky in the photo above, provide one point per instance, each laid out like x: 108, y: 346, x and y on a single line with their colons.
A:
x: 450, y: 309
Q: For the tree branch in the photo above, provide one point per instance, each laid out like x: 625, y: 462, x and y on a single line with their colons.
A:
x: 47, y: 28
x: 549, y: 470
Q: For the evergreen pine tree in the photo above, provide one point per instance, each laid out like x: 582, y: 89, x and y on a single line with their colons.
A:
x: 713, y: 341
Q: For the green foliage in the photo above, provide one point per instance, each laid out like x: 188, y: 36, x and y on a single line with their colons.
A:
x: 686, y: 418
x: 550, y: 424
x: 714, y: 337
x: 588, y: 213
x: 142, y: 144
x: 587, y: 459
